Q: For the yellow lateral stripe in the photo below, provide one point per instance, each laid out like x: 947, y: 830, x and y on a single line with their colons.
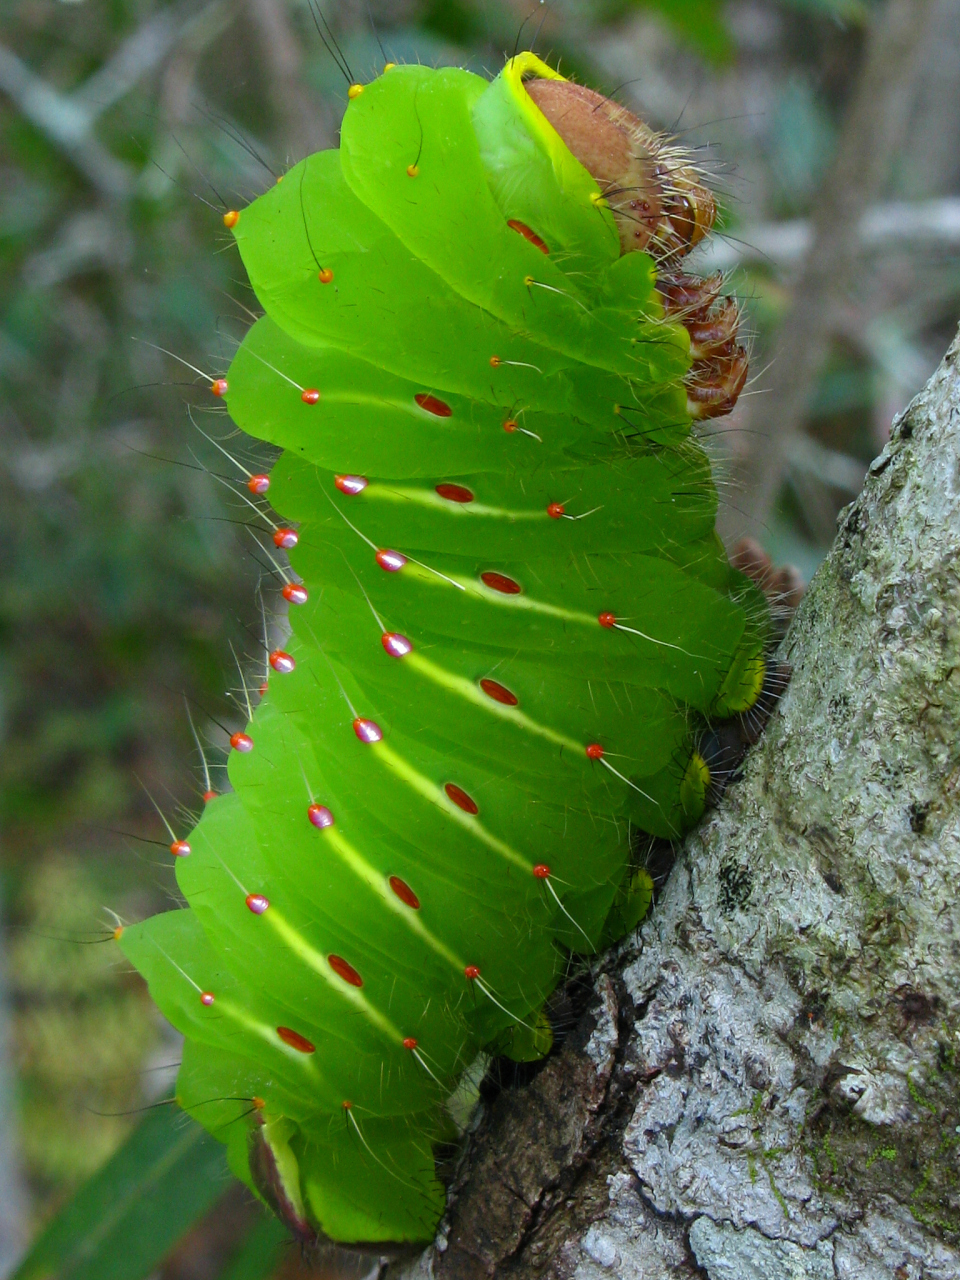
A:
x: 467, y: 689
x: 377, y: 882
x: 320, y: 965
x: 436, y: 795
x: 458, y: 510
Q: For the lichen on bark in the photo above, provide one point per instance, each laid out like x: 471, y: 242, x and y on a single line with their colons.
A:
x: 767, y: 1080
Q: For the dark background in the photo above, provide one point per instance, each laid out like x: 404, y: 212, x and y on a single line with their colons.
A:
x: 126, y: 575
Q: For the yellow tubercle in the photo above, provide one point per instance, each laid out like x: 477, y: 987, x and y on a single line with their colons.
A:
x: 231, y: 218
x: 354, y: 91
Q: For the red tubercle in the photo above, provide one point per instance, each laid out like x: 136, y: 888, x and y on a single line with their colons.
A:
x: 541, y: 871
x: 118, y: 933
x: 390, y: 561
x: 555, y: 510
x: 347, y: 1104
x: 320, y: 816
x: 499, y: 693
x: 294, y: 593
x: 471, y: 972
x: 207, y: 998
x: 258, y: 484
x: 285, y: 539
x: 310, y: 395
x: 367, y: 731
x: 607, y: 619
x: 510, y: 426
x: 230, y: 219
x: 461, y: 799
x: 210, y: 795
x: 296, y: 1041
x: 324, y: 275
x: 345, y: 970
x: 404, y: 892
x: 409, y: 1042
x: 257, y: 903
x: 241, y: 742
x: 350, y: 485
x: 595, y: 751
x: 282, y: 662
x: 396, y: 645
x: 263, y: 689
x: 500, y: 582
x: 180, y: 849
x: 219, y: 387
x: 454, y: 492
x: 521, y: 227
x: 439, y: 408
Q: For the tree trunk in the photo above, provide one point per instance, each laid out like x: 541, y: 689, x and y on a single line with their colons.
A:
x: 765, y: 1083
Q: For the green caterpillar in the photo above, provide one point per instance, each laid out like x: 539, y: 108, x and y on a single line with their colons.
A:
x: 515, y: 622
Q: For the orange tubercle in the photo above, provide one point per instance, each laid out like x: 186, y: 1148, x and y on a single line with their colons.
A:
x: 231, y: 218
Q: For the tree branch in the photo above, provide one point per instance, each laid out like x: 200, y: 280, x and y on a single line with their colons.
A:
x: 767, y: 1081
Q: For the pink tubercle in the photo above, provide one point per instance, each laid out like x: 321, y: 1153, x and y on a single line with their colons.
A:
x: 396, y: 645
x: 207, y: 998
x: 295, y: 593
x: 367, y: 730
x: 258, y: 484
x: 391, y: 561
x: 257, y: 903
x: 282, y: 662
x: 320, y: 816
x: 351, y: 485
x: 180, y: 849
x: 241, y: 742
x: 219, y: 387
x: 285, y: 539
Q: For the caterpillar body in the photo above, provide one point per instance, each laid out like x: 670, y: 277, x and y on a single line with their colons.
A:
x: 481, y: 362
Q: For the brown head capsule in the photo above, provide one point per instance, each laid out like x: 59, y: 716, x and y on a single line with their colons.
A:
x: 654, y: 193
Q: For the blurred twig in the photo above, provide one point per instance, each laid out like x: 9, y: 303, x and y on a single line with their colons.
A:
x: 871, y: 135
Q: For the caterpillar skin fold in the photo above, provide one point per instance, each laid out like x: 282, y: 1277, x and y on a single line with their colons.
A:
x: 481, y: 361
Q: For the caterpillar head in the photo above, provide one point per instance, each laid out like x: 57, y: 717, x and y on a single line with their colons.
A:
x: 655, y: 194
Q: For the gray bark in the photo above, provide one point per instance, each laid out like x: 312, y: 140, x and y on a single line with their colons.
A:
x: 765, y: 1082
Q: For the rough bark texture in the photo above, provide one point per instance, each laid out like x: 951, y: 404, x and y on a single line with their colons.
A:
x: 766, y: 1083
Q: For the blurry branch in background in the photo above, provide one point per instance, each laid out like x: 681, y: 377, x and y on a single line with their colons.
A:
x: 920, y: 224
x: 68, y: 120
x: 298, y: 112
x: 871, y: 135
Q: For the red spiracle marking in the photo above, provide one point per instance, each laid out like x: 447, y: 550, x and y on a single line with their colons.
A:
x: 555, y: 510
x: 296, y: 1041
x: 282, y: 662
x: 439, y: 408
x: 350, y: 484
x: 367, y: 730
x: 258, y: 484
x: 541, y: 871
x: 396, y: 645
x: 320, y: 816
x: 510, y: 426
x: 210, y: 795
x: 241, y: 742
x: 344, y: 970
x: 285, y: 539
x: 595, y: 751
x: 471, y: 972
x: 527, y: 234
x: 455, y: 492
x: 180, y: 849
x: 461, y: 799
x: 500, y: 582
x: 390, y: 561
x: 219, y: 386
x: 409, y: 1042
x: 499, y: 693
x: 404, y: 892
x: 310, y: 395
x: 607, y: 619
x: 207, y: 998
x: 324, y: 275
x: 257, y: 903
x: 294, y: 593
